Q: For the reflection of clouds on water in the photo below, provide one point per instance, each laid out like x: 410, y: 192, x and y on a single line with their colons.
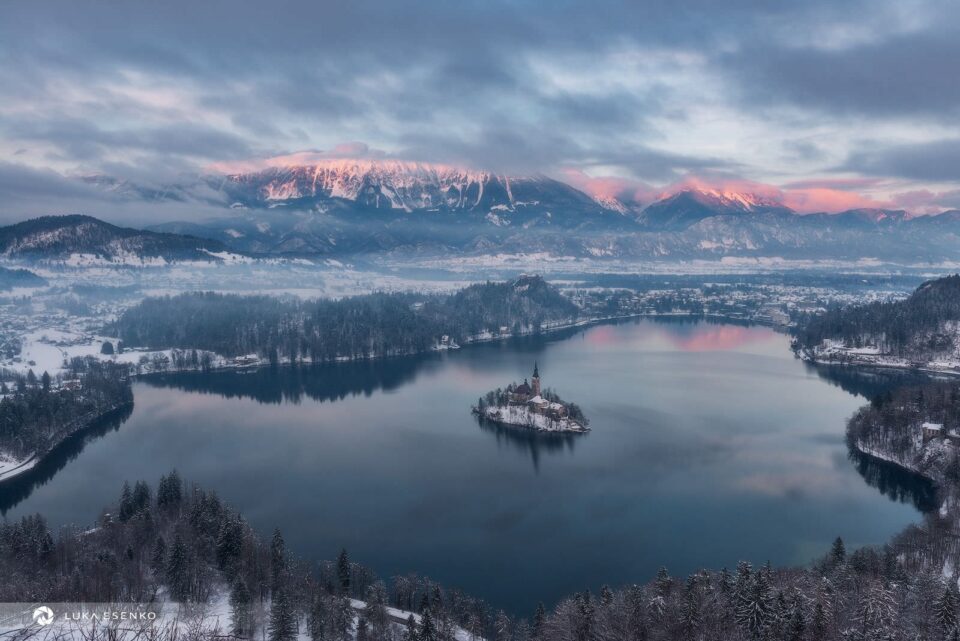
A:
x: 385, y: 457
x: 707, y: 338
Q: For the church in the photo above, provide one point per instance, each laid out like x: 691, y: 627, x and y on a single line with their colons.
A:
x: 529, y: 394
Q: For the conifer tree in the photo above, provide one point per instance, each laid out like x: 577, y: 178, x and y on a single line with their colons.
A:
x: 278, y: 562
x: 945, y: 608
x: 838, y: 553
x: 428, y: 628
x: 344, y: 572
x: 241, y: 616
x: 178, y: 571
x: 797, y: 625
x: 818, y: 624
x: 754, y: 611
x: 539, y: 620
x: 158, y: 560
x: 410, y: 632
x: 317, y: 621
x: 283, y: 623
x: 126, y: 502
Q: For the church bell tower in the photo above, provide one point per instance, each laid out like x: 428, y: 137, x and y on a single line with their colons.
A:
x: 535, y: 382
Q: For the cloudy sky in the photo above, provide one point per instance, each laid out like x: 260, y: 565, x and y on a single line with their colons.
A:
x: 832, y: 104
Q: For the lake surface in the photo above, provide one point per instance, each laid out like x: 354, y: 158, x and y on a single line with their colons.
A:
x: 710, y: 444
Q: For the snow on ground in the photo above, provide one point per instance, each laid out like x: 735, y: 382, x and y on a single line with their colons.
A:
x: 10, y: 466
x: 48, y: 349
x: 834, y: 352
x: 168, y: 621
x: 520, y: 416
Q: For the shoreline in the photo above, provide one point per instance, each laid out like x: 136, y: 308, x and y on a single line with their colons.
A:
x: 36, y: 459
x: 856, y: 362
x: 886, y: 458
x: 486, y: 418
x: 441, y: 348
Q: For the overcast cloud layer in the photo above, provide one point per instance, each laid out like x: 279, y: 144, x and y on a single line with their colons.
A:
x: 835, y: 103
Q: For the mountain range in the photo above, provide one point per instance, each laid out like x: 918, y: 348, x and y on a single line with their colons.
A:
x: 349, y: 207
x: 87, y: 240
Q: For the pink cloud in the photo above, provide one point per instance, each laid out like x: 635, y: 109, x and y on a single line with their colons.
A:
x: 821, y: 199
x: 804, y: 197
x: 348, y: 150
x: 724, y: 185
x: 924, y: 201
x: 845, y: 184
x: 606, y: 187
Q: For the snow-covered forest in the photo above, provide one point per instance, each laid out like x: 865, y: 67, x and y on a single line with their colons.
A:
x: 356, y: 327
x: 922, y: 327
x: 37, y: 412
x: 180, y: 544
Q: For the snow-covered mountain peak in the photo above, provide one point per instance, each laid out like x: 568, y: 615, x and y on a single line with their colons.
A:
x: 382, y: 184
x: 408, y: 186
x: 726, y: 198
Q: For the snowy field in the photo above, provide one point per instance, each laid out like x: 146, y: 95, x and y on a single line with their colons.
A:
x: 43, y: 327
x: 167, y: 621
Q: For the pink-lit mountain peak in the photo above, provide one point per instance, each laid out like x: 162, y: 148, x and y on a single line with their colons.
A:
x: 727, y: 194
x: 744, y: 201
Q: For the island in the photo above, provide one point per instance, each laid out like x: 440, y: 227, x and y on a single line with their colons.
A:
x: 528, y: 406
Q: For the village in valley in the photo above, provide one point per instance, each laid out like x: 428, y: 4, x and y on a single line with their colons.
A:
x: 527, y: 405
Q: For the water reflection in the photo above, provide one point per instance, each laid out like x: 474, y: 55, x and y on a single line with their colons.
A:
x: 530, y: 442
x: 693, y: 425
x: 15, y: 490
x: 895, y: 482
x: 867, y: 382
x: 290, y: 384
x: 714, y: 336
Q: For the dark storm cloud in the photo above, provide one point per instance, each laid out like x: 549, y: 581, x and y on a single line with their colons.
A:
x: 908, y: 75
x: 19, y: 182
x: 84, y: 139
x: 932, y: 161
x: 171, y: 86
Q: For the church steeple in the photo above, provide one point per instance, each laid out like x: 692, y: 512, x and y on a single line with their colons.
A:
x: 535, y: 382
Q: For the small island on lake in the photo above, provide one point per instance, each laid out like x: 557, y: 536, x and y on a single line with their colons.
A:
x: 527, y: 405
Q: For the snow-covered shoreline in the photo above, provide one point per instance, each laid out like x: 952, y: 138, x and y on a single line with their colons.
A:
x: 11, y: 468
x: 834, y: 353
x: 888, y: 458
x: 521, y: 416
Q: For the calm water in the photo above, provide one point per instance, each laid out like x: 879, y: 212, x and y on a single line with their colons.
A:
x: 710, y: 444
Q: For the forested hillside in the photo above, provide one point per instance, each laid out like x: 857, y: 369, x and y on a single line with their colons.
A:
x: 922, y: 326
x: 10, y: 278
x: 35, y: 415
x: 891, y: 427
x: 186, y: 545
x: 355, y: 327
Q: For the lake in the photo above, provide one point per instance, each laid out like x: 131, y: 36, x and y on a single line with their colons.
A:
x: 710, y: 444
